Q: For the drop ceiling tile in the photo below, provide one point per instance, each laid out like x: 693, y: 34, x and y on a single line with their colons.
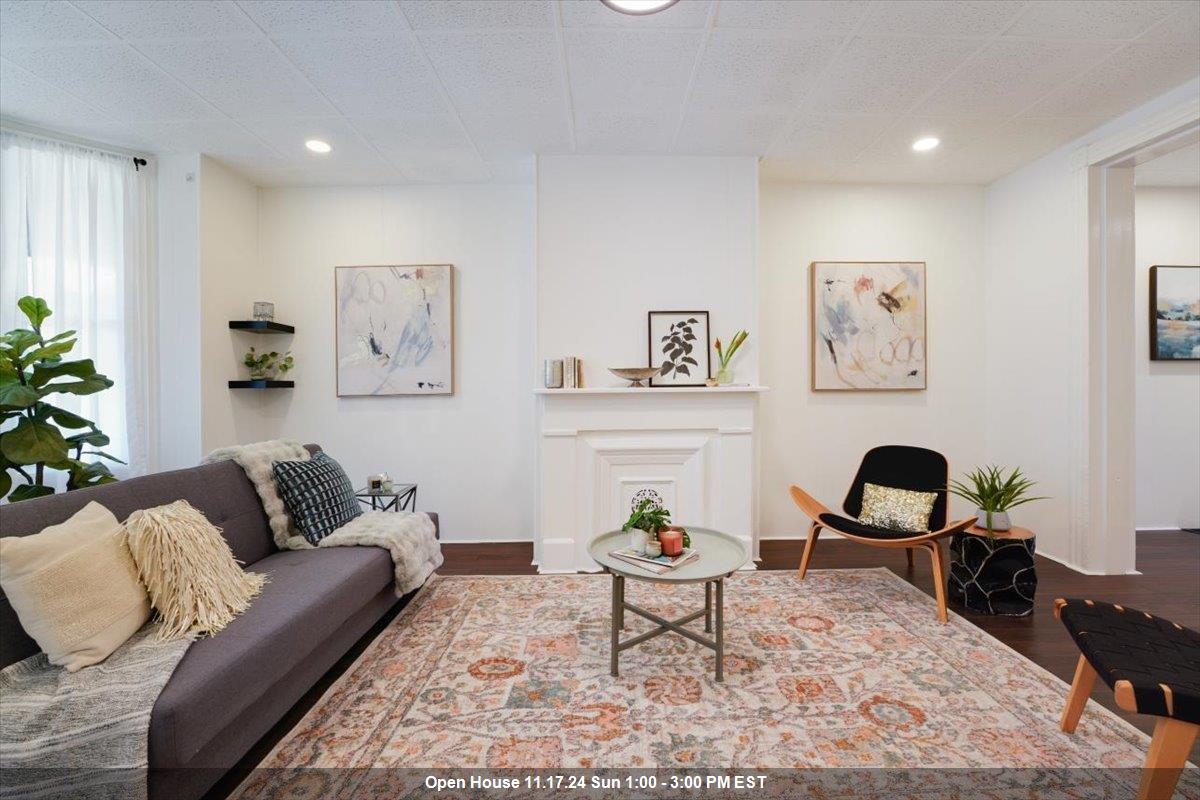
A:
x: 630, y: 70
x: 624, y: 133
x: 462, y: 167
x: 137, y: 19
x: 1183, y: 26
x: 1091, y: 19
x: 26, y: 98
x: 31, y: 21
x: 745, y: 70
x: 223, y: 139
x: 586, y: 14
x: 368, y: 75
x: 836, y: 137
x: 407, y: 137
x: 1177, y: 168
x: 287, y: 135
x: 508, y: 135
x: 1132, y: 75
x: 322, y: 175
x: 289, y: 18
x: 880, y: 75
x: 928, y: 18
x: 241, y: 77
x: 955, y: 133
x: 820, y: 16
x: 113, y: 78
x: 433, y: 14
x: 711, y: 134
x: 498, y: 70
x: 1009, y: 75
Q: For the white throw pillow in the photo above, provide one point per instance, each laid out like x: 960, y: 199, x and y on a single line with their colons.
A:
x: 75, y: 587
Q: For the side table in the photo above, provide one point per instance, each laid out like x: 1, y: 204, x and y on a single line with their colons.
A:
x: 402, y: 497
x: 993, y: 575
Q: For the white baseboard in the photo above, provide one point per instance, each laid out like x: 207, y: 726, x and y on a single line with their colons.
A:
x: 1180, y: 529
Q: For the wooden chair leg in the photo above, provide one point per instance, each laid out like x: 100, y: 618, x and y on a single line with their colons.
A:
x: 1168, y: 753
x: 939, y: 579
x: 813, y: 532
x: 1081, y: 689
x: 908, y: 551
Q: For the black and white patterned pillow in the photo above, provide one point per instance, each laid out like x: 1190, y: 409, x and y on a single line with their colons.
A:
x: 317, y: 494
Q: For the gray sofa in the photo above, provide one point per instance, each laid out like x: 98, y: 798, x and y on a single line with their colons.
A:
x: 229, y: 690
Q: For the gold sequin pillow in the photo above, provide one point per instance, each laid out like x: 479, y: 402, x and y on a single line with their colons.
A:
x: 896, y: 509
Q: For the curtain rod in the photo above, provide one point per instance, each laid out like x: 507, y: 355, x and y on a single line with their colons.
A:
x: 63, y: 138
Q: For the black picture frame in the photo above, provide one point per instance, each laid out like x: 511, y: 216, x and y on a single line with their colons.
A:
x: 701, y: 346
x: 1155, y: 354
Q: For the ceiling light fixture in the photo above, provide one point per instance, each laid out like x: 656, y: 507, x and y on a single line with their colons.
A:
x: 639, y: 7
x: 926, y: 143
x: 318, y: 146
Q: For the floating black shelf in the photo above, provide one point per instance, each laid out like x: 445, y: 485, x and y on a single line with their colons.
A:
x: 262, y: 384
x: 260, y: 326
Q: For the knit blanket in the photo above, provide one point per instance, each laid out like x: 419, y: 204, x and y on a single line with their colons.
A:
x: 83, y: 734
x: 409, y: 537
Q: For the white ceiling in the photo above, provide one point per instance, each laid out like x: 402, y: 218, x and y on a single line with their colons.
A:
x: 1177, y: 168
x: 451, y: 90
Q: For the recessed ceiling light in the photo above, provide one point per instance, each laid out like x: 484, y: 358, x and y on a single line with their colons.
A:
x: 318, y: 146
x: 926, y: 143
x: 639, y: 7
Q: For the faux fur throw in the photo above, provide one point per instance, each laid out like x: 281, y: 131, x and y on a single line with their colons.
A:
x: 409, y: 537
x: 195, y: 585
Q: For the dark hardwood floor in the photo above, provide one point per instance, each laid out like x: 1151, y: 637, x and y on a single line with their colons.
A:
x: 1169, y: 586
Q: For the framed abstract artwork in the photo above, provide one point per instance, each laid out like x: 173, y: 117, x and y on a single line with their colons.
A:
x: 678, y: 347
x: 1174, y: 313
x: 868, y: 326
x: 394, y: 329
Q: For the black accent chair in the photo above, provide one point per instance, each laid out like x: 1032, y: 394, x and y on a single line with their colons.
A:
x: 1153, y: 667
x: 900, y: 467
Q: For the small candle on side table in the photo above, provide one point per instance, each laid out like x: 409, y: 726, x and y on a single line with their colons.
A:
x: 672, y: 542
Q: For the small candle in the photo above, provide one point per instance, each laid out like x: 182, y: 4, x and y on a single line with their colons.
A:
x: 672, y: 543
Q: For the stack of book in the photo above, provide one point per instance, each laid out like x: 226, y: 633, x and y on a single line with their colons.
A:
x: 572, y: 372
x: 659, y: 564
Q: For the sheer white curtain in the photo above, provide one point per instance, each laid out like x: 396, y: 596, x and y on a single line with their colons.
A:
x: 76, y: 230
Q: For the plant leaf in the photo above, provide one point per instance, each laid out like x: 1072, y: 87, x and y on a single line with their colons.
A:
x: 27, y: 491
x: 5, y: 483
x: 33, y: 441
x: 62, y: 417
x: 18, y: 341
x: 17, y: 395
x: 93, y: 437
x: 35, y: 309
x: 50, y: 351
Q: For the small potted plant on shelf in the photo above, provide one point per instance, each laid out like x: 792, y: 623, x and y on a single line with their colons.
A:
x: 725, y: 355
x: 267, y: 366
x: 990, y: 574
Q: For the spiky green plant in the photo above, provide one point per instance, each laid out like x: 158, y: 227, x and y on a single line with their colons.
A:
x: 992, y: 491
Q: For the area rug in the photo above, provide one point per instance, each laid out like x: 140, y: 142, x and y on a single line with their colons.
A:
x: 847, y: 669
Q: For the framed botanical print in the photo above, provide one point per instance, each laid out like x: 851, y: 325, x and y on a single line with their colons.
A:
x: 1174, y: 313
x: 395, y: 330
x: 679, y: 347
x: 868, y: 325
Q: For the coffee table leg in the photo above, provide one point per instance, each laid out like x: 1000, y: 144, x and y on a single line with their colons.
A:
x: 616, y: 623
x: 708, y: 606
x: 720, y: 629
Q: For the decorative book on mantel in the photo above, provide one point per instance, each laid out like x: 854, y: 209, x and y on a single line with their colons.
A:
x: 658, y: 564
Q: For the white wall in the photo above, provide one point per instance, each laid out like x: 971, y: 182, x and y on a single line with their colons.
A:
x: 471, y: 453
x: 178, y: 318
x: 816, y: 439
x: 620, y: 236
x: 1168, y: 393
x: 230, y: 280
x: 1035, y: 305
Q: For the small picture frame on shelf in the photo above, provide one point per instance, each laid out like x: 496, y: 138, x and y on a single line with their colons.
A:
x: 263, y: 311
x: 679, y: 347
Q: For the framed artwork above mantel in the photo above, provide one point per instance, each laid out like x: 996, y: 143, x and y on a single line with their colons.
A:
x: 678, y: 346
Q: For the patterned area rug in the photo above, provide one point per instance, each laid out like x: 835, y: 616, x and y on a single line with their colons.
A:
x: 846, y: 669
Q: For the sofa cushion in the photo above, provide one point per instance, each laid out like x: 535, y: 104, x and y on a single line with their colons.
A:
x: 318, y: 495
x: 309, y: 594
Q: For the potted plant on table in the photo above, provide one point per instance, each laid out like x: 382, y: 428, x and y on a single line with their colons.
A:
x: 990, y: 574
x: 266, y: 366
x: 647, y: 519
x: 725, y: 355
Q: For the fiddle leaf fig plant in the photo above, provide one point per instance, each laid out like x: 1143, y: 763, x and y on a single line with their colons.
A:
x: 36, y: 435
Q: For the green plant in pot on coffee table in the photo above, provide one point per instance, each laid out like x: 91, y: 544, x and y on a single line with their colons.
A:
x: 650, y: 517
x: 994, y: 493
x: 32, y: 369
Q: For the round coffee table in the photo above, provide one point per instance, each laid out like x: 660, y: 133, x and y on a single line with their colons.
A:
x: 720, y: 555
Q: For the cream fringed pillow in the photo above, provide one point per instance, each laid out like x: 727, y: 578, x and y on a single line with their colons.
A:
x: 196, y: 586
x: 75, y: 587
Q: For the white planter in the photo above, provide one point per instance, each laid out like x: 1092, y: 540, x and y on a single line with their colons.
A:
x: 638, y: 539
x: 1000, y: 521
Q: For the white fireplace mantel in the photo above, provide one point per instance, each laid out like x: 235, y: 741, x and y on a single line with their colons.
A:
x: 693, y: 447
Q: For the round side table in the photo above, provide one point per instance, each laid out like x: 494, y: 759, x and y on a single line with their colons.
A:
x: 993, y: 576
